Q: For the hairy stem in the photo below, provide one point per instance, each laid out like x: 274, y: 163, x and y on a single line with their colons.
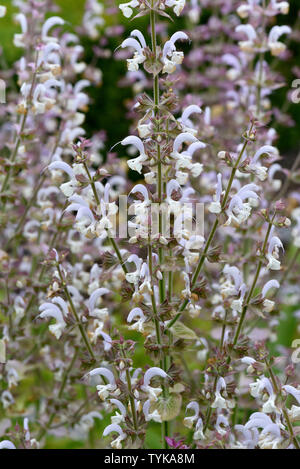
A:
x: 250, y: 294
x: 59, y: 395
x: 213, y: 231
x: 162, y: 289
x: 22, y: 128
x: 73, y: 309
x: 111, y: 239
x: 284, y: 410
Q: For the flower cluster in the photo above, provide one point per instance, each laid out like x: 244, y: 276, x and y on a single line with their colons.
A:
x: 150, y: 289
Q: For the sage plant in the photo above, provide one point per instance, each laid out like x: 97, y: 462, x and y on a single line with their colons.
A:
x: 149, y: 310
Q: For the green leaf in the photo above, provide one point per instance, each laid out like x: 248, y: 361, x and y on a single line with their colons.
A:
x: 181, y: 331
x: 168, y: 407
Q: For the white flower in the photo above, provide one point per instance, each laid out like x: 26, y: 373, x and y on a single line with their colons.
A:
x: 183, y: 160
x: 118, y: 417
x: 155, y: 416
x: 177, y: 5
x: 269, y: 440
x: 144, y: 130
x: 105, y: 389
x: 136, y: 164
x: 19, y: 38
x: 273, y: 253
x: 150, y: 177
x: 134, y: 314
x: 237, y: 305
x: 7, y: 399
x: 49, y: 24
x: 221, y: 420
x: 270, y: 437
x: 268, y: 305
x: 249, y: 437
x: 51, y: 310
x: 238, y: 210
x: 108, y: 213
x: 257, y: 389
x: 220, y: 402
x: 293, y: 391
x: 67, y: 188
x: 276, y: 47
x: 294, y: 413
x: 189, y: 421
x: 194, y: 310
x: 41, y: 102
x: 93, y: 311
x: 139, y: 45
x: 93, y: 18
x: 243, y: 11
x: 86, y: 223
x: 134, y: 277
x: 198, y: 434
x: 19, y: 307
x: 250, y: 362
x: 282, y: 7
x: 117, y: 443
x: 194, y: 12
x: 171, y: 57
x: 87, y: 422
x: 296, y: 229
x: 6, y: 444
x: 2, y: 11
x: 12, y: 377
x: 269, y: 406
x: 249, y: 31
x: 215, y: 206
x: 153, y: 393
x: 228, y: 288
x: 126, y: 8
x: 274, y: 264
x: 106, y: 338
x: 187, y: 124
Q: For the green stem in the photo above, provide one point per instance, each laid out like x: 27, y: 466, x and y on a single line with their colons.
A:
x: 259, y: 84
x: 92, y: 183
x: 209, y: 410
x: 44, y: 267
x: 245, y: 308
x: 38, y: 187
x: 73, y: 309
x: 156, y: 98
x: 15, y: 152
x: 154, y: 307
x: 119, y: 255
x: 284, y: 410
x: 213, y: 231
x: 162, y: 289
x: 22, y: 128
x: 111, y: 239
x: 131, y: 398
x: 170, y: 283
x: 59, y: 395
